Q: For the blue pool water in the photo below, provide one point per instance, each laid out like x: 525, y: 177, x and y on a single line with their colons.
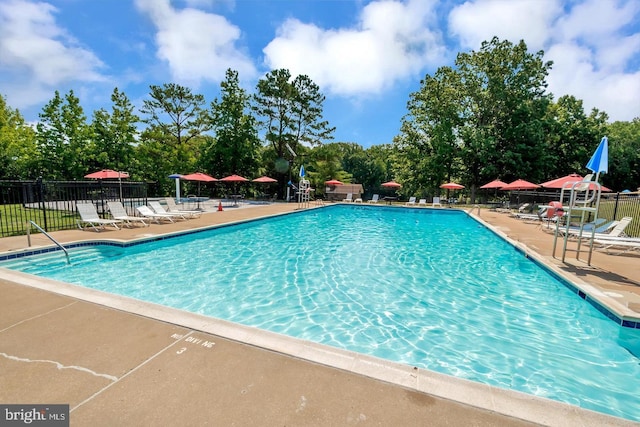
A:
x: 428, y: 288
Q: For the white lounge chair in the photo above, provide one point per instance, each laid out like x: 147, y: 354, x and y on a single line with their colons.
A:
x: 89, y: 216
x: 118, y: 212
x: 349, y: 198
x: 411, y: 202
x: 172, y: 207
x: 601, y: 226
x: 374, y: 199
x: 422, y: 202
x: 616, y: 231
x: 159, y: 209
x: 616, y: 227
x: 146, y: 212
x: 541, y: 215
x: 436, y: 202
x: 622, y: 245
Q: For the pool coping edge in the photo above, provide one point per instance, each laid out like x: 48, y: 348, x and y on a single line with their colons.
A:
x: 507, y: 402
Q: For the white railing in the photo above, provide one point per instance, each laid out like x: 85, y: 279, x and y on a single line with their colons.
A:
x: 66, y: 253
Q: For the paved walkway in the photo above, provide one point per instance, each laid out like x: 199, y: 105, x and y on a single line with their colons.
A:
x: 121, y: 362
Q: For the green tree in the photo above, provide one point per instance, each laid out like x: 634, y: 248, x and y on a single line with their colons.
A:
x: 17, y: 145
x: 290, y: 113
x: 624, y: 156
x: 63, y: 138
x: 480, y: 120
x: 429, y: 146
x: 171, y: 142
x: 572, y: 136
x: 236, y: 146
x: 325, y: 162
x: 175, y: 113
x: 504, y: 106
x: 115, y: 135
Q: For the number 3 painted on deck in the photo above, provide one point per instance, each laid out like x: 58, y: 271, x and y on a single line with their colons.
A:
x: 182, y: 350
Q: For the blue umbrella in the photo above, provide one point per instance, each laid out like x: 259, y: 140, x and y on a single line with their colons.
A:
x: 302, y: 171
x: 600, y: 160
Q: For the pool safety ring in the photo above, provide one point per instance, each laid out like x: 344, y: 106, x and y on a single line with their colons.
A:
x: 555, y: 209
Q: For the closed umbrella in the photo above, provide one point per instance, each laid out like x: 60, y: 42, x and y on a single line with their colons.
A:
x: 599, y: 161
x: 177, y: 177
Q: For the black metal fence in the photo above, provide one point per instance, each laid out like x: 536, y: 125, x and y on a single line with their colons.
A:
x: 613, y: 206
x: 52, y: 204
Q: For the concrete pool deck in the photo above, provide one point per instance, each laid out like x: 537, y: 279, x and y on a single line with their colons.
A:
x: 119, y: 361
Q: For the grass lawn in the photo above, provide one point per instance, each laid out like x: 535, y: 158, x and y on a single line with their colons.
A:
x: 14, y: 218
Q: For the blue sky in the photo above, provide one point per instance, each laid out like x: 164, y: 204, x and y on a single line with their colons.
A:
x: 366, y: 56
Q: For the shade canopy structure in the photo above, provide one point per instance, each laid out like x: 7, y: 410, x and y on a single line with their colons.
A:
x: 234, y: 178
x: 599, y: 161
x: 198, y: 176
x: 107, y: 174
x: 265, y: 180
x: 391, y: 184
x: 566, y: 181
x: 519, y: 185
x: 334, y: 182
x: 496, y: 183
x: 560, y: 182
x: 452, y: 186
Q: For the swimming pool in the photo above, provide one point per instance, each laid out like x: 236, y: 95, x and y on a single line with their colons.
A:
x: 429, y: 288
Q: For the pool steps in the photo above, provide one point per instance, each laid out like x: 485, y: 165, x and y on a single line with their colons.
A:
x: 32, y: 265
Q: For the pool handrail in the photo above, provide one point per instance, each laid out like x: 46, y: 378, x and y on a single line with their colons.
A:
x: 66, y: 253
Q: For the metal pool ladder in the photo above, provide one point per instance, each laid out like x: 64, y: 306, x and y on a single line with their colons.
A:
x: 66, y: 253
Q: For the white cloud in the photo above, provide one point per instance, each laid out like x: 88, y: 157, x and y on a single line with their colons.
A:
x: 587, y: 42
x: 392, y: 41
x: 478, y: 20
x: 592, y: 54
x: 37, y: 56
x: 594, y: 20
x: 196, y: 45
x: 574, y: 73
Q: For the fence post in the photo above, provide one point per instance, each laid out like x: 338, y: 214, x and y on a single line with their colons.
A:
x: 615, y: 208
x: 40, y: 187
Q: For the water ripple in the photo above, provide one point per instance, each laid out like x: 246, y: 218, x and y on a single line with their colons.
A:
x: 427, y: 288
